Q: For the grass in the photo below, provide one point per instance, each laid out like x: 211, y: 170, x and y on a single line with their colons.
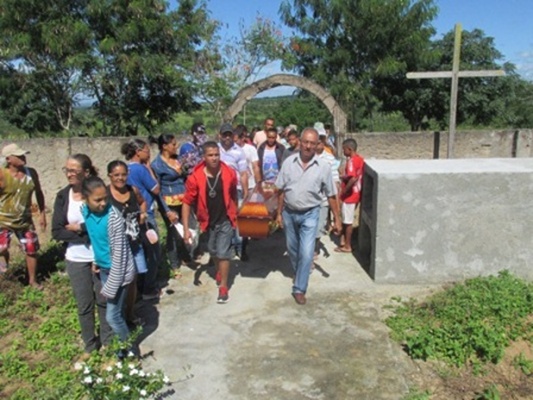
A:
x: 470, y: 322
x: 465, y: 331
x: 39, y: 335
x: 40, y: 339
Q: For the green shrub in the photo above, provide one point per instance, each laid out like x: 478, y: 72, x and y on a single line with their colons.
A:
x: 475, y: 320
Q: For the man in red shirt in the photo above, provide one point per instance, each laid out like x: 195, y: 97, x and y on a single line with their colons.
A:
x: 350, y: 194
x: 212, y: 187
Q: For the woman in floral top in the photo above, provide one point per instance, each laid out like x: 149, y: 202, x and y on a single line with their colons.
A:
x: 169, y: 171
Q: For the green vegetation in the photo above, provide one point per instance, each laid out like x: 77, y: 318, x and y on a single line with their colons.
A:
x: 40, y: 341
x: 463, y: 333
x: 491, y: 393
x: 415, y: 394
x: 362, y: 50
x: 468, y: 323
x: 522, y: 363
x: 147, y: 67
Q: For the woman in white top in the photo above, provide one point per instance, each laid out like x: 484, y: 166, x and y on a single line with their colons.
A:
x: 68, y: 227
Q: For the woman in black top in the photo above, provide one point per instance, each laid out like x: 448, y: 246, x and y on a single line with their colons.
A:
x: 130, y: 202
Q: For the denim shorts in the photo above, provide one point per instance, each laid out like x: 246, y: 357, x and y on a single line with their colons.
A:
x: 219, y: 242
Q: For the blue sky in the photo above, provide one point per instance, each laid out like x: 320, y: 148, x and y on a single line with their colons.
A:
x: 509, y: 22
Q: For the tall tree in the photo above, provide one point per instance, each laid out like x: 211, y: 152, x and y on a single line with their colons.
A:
x: 142, y: 56
x: 480, y: 100
x: 23, y: 103
x: 46, y: 41
x: 348, y: 46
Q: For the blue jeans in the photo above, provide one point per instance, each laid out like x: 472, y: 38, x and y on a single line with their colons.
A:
x: 238, y: 240
x: 300, y: 231
x: 139, y: 259
x: 115, y: 309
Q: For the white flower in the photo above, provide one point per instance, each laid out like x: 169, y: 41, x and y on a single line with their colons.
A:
x: 118, y: 364
x: 88, y: 380
x: 134, y: 372
x: 99, y: 380
x: 142, y: 373
x: 109, y: 369
x: 165, y: 379
x: 78, y: 366
x: 119, y: 376
x: 130, y: 354
x: 125, y: 388
x: 131, y: 365
x: 143, y: 392
x: 86, y: 371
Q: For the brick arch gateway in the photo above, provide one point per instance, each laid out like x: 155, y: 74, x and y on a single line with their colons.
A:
x: 250, y: 91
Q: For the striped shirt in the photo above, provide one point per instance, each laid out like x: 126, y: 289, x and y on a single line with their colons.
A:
x: 122, y: 269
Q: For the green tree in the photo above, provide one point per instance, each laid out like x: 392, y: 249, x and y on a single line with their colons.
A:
x: 481, y: 101
x: 23, y: 104
x: 142, y: 57
x: 303, y: 110
x: 351, y: 47
x: 46, y: 42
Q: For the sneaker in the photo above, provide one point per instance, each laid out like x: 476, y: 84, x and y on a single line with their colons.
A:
x: 218, y: 278
x: 223, y: 296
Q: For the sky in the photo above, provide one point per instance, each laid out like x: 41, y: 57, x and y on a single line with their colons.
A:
x: 509, y: 22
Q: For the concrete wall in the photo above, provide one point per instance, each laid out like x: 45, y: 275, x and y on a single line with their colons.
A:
x: 423, y: 145
x: 48, y: 155
x: 432, y: 221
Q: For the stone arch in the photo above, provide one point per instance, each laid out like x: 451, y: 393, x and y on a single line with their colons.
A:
x: 250, y: 91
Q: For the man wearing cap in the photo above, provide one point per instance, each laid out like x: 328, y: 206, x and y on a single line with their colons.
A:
x: 17, y: 184
x: 322, y: 136
x: 302, y: 182
x: 233, y: 156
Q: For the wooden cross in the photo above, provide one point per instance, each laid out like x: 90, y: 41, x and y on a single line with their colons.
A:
x: 455, y: 74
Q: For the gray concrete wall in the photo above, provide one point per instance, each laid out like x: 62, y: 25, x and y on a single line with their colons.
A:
x: 468, y: 144
x: 49, y: 155
x: 432, y: 221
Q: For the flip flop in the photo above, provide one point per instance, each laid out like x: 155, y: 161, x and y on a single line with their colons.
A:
x: 341, y: 250
x: 177, y: 273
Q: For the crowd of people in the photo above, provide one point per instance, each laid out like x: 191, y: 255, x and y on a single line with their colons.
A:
x: 111, y: 236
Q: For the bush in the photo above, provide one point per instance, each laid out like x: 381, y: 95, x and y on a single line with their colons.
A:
x: 474, y: 321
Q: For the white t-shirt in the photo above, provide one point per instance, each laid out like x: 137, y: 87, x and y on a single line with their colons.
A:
x: 251, y: 156
x: 270, y: 165
x: 77, y: 252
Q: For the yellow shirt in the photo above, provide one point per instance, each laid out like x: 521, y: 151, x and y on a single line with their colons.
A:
x: 15, y: 201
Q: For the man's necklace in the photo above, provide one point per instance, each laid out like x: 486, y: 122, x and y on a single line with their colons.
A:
x: 212, y: 192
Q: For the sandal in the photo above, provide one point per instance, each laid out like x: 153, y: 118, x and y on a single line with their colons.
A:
x: 342, y: 250
x: 176, y: 273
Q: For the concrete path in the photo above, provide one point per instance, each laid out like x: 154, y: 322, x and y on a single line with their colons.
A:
x: 262, y: 345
